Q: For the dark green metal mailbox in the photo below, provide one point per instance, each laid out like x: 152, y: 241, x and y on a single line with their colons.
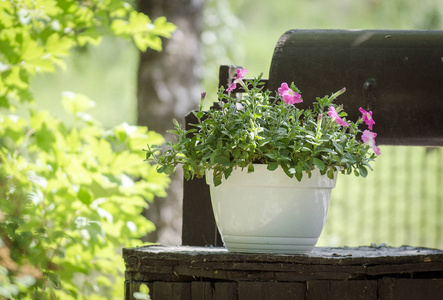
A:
x: 396, y: 74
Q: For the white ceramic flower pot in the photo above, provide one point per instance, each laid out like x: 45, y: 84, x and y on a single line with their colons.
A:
x: 268, y: 212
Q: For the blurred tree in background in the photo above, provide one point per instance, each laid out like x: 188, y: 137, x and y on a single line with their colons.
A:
x: 169, y: 85
x: 70, y: 191
x: 168, y: 88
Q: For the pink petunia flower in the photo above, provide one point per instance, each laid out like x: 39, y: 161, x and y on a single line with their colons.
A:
x: 368, y: 138
x: 288, y: 95
x: 240, y: 75
x: 333, y: 114
x: 367, y: 117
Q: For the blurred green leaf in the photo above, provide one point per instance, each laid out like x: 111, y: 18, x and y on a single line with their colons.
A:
x: 363, y: 171
x: 75, y: 103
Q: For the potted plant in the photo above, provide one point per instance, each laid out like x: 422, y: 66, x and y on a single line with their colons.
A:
x: 270, y: 165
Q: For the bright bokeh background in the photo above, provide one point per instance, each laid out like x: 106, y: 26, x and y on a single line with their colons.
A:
x: 401, y: 202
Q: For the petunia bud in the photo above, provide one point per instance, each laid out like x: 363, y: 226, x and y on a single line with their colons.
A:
x: 202, y: 100
x: 336, y: 94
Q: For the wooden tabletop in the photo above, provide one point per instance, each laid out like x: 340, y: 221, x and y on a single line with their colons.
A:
x: 373, y: 272
x: 324, y: 263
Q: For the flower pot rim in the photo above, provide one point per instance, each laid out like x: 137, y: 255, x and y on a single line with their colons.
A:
x: 260, y: 178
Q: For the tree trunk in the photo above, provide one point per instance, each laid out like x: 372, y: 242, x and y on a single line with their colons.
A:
x: 168, y: 88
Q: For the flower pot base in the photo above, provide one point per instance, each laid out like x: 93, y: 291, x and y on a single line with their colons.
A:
x: 269, y: 212
x: 269, y: 244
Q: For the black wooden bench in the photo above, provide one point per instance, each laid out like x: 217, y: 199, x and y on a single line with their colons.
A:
x: 396, y: 74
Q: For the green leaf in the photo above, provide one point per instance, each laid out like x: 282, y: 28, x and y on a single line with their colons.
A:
x: 161, y: 168
x: 199, y: 114
x: 327, y: 150
x: 30, y: 49
x: 299, y: 168
x: 95, y: 230
x: 368, y: 165
x: 144, y: 289
x: 59, y: 46
x: 236, y: 153
x: 222, y: 160
x: 217, y: 179
x: 338, y: 147
x: 299, y: 175
x: 227, y: 172
x: 163, y: 27
x: 271, y: 155
x: 45, y: 138
x: 318, y: 163
x: 84, y: 196
x: 272, y: 166
x: 143, y: 42
x: 363, y: 171
x: 169, y: 170
x: 16, y: 79
x: 75, y: 103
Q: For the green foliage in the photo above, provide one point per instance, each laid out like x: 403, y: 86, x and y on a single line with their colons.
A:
x: 70, y: 196
x: 261, y: 128
x: 36, y: 35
